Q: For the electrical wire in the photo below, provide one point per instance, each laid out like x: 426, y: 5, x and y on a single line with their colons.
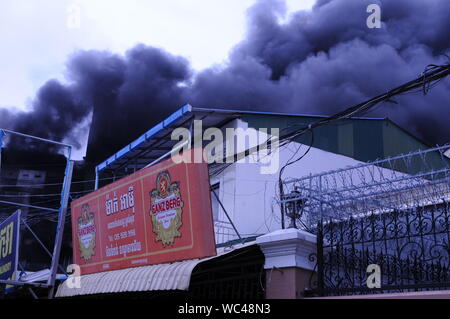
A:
x: 42, y: 195
x: 288, y: 163
x: 429, y: 78
x: 57, y: 184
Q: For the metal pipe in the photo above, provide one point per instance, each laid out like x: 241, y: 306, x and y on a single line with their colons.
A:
x: 32, y: 293
x: 225, y: 211
x: 36, y: 138
x: 42, y: 244
x: 60, y: 227
x: 22, y: 283
x: 2, y: 134
x: 29, y: 206
x: 282, y: 203
x: 96, y: 179
x: 168, y: 153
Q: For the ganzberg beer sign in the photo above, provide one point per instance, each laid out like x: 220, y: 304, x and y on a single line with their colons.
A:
x: 157, y: 215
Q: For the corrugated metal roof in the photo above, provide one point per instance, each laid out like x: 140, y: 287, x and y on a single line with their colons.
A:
x: 174, y: 276
x: 157, y: 140
x: 171, y: 276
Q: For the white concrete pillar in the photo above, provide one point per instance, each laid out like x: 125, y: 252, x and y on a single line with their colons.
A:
x: 288, y: 264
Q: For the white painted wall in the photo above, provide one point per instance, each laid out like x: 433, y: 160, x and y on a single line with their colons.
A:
x: 250, y: 197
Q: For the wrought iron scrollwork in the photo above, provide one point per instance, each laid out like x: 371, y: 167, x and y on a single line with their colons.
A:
x: 411, y: 247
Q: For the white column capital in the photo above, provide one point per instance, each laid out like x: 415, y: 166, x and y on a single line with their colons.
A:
x: 288, y: 248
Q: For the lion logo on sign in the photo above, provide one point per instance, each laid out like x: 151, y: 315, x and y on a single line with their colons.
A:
x: 86, y: 233
x: 166, y: 209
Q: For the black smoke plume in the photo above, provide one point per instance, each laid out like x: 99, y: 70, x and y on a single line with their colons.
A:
x: 313, y: 62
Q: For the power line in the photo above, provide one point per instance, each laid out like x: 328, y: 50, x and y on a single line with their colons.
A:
x: 57, y: 184
x: 290, y: 162
x: 42, y: 195
x: 432, y: 75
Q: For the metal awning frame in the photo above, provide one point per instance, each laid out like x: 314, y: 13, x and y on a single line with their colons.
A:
x: 156, y: 143
x: 62, y: 212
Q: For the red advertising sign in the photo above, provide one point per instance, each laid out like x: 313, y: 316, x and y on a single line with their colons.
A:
x: 159, y: 214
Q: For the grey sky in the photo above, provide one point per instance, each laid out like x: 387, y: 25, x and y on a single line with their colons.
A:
x: 38, y: 36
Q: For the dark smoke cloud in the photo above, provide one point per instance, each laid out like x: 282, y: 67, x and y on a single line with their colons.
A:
x: 324, y: 60
x: 56, y: 109
x: 316, y: 62
x: 125, y: 95
x: 128, y: 94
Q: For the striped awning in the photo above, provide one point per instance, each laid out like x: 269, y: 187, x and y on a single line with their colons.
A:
x: 173, y: 276
x: 170, y: 276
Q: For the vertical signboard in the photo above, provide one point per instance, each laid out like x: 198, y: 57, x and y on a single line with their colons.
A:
x: 9, y: 246
x: 159, y: 214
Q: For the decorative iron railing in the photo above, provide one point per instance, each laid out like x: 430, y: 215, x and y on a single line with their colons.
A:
x: 410, y: 247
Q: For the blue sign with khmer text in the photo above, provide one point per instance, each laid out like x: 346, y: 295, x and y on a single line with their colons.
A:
x: 9, y: 247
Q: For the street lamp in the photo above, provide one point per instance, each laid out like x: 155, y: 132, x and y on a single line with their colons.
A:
x: 294, y: 206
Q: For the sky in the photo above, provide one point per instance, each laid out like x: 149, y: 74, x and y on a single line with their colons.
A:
x: 37, y: 37
x: 65, y: 62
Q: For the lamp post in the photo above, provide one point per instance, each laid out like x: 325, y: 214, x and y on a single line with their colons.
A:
x: 294, y: 206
